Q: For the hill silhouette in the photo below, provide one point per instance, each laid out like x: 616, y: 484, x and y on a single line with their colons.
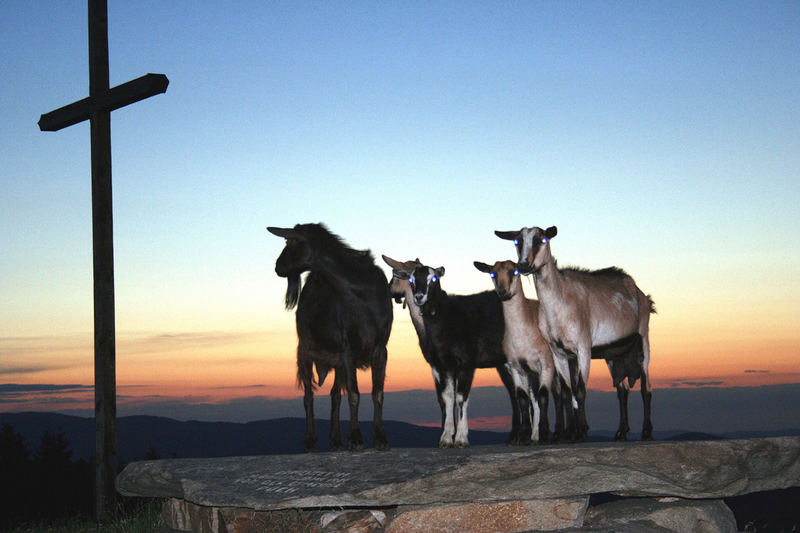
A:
x: 151, y: 436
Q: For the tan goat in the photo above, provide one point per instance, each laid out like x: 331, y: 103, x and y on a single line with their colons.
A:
x: 584, y: 311
x: 528, y: 353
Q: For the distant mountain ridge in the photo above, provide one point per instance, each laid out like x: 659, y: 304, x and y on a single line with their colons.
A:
x: 142, y: 436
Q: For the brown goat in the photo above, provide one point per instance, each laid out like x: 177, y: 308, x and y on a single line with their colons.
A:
x: 582, y: 312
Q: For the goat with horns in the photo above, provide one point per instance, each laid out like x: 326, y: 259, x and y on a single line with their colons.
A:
x: 344, y: 318
x: 587, y: 314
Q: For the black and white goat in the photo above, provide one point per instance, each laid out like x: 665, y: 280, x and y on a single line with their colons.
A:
x: 457, y: 334
x: 527, y: 351
x: 584, y: 312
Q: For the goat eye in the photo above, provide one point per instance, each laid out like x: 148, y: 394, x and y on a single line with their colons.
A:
x: 516, y: 241
x: 516, y: 272
x: 544, y: 240
x: 434, y: 279
x: 491, y: 274
x: 411, y: 279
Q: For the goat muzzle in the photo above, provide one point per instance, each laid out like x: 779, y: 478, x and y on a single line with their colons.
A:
x: 504, y: 296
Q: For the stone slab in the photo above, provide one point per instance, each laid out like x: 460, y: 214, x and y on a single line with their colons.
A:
x: 424, y: 476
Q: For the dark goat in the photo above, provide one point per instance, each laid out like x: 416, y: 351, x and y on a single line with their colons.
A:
x: 344, y: 318
x: 461, y: 333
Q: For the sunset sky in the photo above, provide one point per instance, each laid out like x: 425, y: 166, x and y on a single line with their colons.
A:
x: 661, y: 137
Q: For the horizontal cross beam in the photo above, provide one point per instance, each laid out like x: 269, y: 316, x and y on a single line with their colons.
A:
x: 116, y: 97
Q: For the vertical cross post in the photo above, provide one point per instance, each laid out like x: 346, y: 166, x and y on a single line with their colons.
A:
x: 105, y: 377
x: 97, y: 109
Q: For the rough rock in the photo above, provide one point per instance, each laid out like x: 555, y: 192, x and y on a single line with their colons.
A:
x: 353, y: 521
x: 696, y: 470
x: 670, y: 514
x: 539, y: 515
x: 180, y: 515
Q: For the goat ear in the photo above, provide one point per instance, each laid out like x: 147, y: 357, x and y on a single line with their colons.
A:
x: 551, y: 232
x: 507, y: 235
x: 281, y: 232
x: 439, y: 272
x: 397, y: 265
x: 483, y: 267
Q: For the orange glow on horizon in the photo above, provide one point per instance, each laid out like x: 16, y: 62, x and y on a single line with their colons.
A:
x: 216, y: 367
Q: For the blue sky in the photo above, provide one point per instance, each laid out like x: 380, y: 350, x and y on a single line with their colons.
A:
x: 663, y: 137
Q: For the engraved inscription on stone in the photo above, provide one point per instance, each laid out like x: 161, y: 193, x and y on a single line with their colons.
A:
x: 291, y: 482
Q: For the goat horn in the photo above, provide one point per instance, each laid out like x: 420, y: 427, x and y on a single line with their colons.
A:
x: 281, y: 232
x: 397, y: 265
x: 507, y: 235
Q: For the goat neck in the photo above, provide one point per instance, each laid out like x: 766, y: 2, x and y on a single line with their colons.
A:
x: 432, y: 307
x: 339, y: 277
x: 519, y: 313
x: 546, y: 277
x: 413, y: 309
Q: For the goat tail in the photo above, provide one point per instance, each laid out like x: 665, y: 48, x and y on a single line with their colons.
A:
x: 292, y: 291
x: 305, y: 376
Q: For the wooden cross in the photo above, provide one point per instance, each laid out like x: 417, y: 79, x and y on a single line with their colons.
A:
x: 97, y: 109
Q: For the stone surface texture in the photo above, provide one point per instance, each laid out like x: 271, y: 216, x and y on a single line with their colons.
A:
x: 703, y: 516
x: 529, y: 515
x: 477, y: 489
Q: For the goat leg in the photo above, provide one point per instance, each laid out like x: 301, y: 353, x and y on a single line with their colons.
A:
x: 525, y: 409
x: 508, y: 381
x: 355, y: 439
x: 647, y: 396
x: 447, y: 393
x: 557, y: 391
x: 310, y: 444
x: 581, y: 426
x: 463, y: 386
x: 335, y: 437
x: 378, y: 373
x: 543, y: 398
x: 622, y: 397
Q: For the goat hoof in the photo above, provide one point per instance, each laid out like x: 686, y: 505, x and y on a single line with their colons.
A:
x: 620, y: 436
x: 310, y: 444
x: 445, y: 445
x: 356, y: 442
x: 461, y: 445
x: 380, y: 439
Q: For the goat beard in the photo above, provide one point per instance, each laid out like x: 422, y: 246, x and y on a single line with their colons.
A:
x: 292, y: 291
